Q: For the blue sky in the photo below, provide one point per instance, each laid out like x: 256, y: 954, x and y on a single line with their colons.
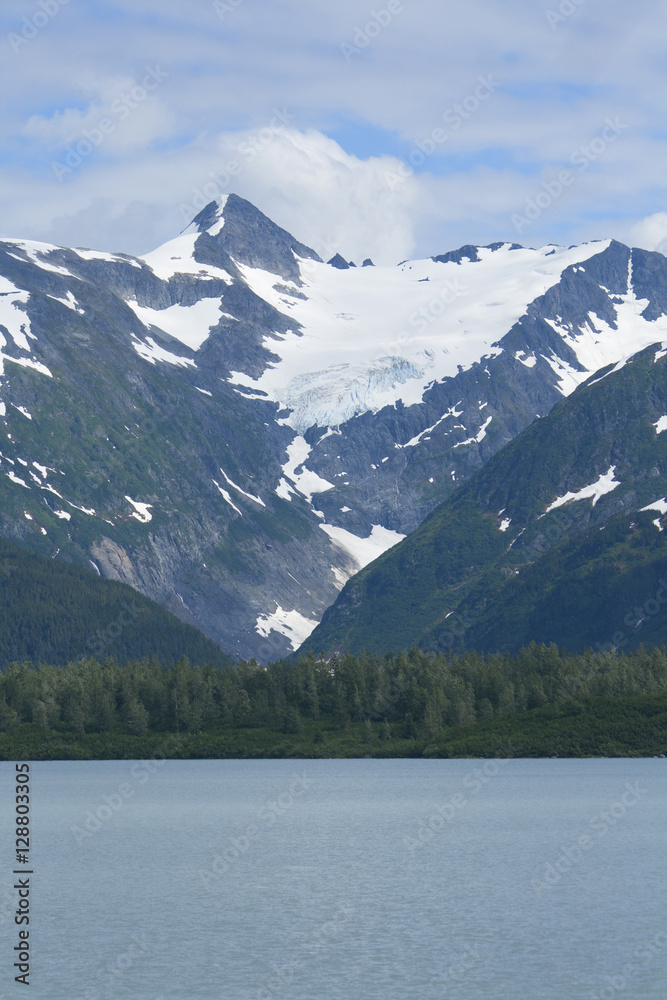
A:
x: 395, y: 129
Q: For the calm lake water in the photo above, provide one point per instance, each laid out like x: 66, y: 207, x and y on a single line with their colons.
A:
x: 324, y: 880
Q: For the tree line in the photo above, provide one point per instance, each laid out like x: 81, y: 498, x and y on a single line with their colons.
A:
x: 416, y: 694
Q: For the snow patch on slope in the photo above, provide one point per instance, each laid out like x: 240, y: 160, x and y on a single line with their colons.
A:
x: 152, y: 352
x: 12, y: 316
x: 291, y: 624
x: 217, y: 226
x: 659, y: 505
x: 110, y: 258
x: 479, y: 437
x: 243, y: 492
x: 413, y: 442
x: 141, y: 510
x: 195, y: 229
x: 36, y: 252
x: 189, y: 324
x: 306, y: 482
x: 605, y: 484
x: 227, y: 496
x: 15, y: 479
x: 17, y: 323
x: 70, y: 302
x: 177, y: 257
x: 363, y: 550
x: 25, y: 363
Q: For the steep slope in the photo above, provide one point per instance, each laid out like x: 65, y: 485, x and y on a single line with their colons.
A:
x: 558, y: 539
x: 235, y: 428
x: 54, y: 612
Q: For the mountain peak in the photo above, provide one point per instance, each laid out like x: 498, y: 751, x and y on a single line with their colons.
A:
x: 234, y: 226
x: 211, y: 219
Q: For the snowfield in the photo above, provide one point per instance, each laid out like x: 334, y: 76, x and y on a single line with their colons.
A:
x: 368, y: 337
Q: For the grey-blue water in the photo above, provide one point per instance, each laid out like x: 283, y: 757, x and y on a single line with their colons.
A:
x: 320, y: 880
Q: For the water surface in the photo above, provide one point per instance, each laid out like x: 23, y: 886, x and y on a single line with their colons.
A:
x: 324, y: 880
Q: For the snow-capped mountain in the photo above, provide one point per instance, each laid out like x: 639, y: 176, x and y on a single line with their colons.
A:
x: 235, y: 427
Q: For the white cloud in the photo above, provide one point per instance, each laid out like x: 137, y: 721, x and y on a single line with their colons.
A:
x: 224, y: 78
x: 305, y: 182
x: 331, y: 200
x: 122, y: 115
x: 651, y: 233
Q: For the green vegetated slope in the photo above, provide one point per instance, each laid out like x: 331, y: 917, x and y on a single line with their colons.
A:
x: 493, y: 568
x: 53, y: 612
x: 542, y: 702
x: 601, y: 588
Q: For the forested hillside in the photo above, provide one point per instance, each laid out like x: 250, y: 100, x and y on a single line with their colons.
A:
x: 541, y: 702
x: 52, y: 612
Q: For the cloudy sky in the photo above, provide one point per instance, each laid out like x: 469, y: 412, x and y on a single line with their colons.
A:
x: 395, y: 129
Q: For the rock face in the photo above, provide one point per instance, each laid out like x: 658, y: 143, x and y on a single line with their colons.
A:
x: 235, y: 428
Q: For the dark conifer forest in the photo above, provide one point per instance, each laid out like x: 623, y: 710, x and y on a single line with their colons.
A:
x: 541, y: 702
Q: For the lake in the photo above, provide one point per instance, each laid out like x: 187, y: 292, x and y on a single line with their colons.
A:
x: 332, y: 879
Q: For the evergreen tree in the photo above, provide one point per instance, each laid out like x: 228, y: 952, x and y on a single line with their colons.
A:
x: 137, y: 718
